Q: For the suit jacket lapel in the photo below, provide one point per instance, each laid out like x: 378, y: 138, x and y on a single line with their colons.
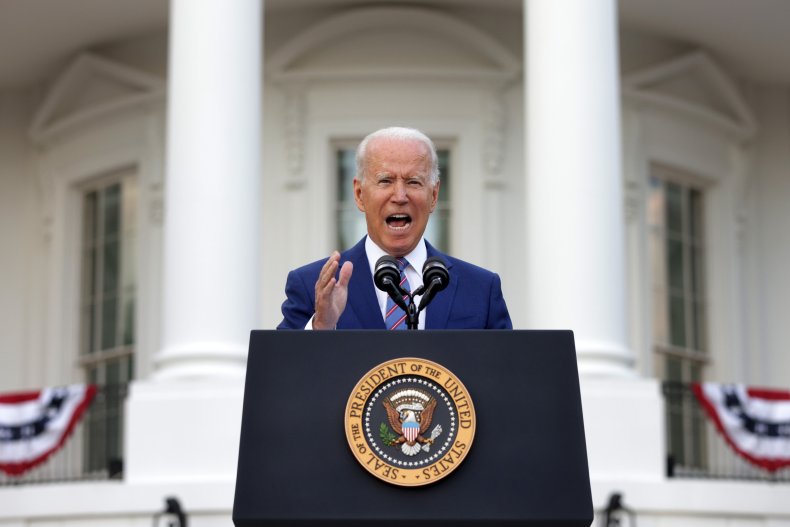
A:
x: 361, y: 293
x: 439, y: 308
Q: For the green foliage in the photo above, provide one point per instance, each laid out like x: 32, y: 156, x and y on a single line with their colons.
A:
x: 387, y: 436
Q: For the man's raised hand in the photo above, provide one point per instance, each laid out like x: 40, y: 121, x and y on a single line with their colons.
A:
x: 331, y: 293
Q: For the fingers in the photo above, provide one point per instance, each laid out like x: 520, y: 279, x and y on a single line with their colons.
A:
x: 345, y: 274
x: 330, y: 292
x: 328, y: 270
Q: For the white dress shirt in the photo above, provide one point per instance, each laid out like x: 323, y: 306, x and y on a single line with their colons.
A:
x: 416, y: 260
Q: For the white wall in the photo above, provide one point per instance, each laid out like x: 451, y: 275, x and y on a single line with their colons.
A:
x: 768, y: 231
x: 21, y: 233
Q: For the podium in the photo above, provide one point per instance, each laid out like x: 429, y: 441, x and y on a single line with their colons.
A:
x: 527, y: 464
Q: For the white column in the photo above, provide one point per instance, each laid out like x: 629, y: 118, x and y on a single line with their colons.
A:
x: 211, y: 270
x: 575, y: 225
x: 212, y: 241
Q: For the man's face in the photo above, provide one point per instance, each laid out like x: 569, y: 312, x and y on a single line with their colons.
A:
x: 396, y: 196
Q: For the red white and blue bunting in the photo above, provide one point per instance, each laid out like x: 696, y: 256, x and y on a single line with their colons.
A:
x: 755, y: 422
x: 33, y: 425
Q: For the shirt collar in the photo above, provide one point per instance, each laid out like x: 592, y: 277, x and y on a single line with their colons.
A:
x: 416, y: 258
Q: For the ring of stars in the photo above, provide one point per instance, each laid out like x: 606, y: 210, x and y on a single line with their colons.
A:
x: 442, y: 396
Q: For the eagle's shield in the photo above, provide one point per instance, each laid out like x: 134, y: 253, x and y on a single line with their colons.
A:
x: 410, y: 431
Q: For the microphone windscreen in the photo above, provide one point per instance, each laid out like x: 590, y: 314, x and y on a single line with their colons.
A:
x: 435, y: 268
x: 386, y: 271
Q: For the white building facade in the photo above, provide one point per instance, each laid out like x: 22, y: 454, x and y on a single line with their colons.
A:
x: 158, y: 182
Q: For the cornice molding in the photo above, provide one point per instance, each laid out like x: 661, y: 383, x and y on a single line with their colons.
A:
x: 62, y: 110
x: 283, y: 67
x: 645, y: 87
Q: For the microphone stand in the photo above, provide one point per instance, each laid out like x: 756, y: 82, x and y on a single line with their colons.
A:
x: 413, y: 313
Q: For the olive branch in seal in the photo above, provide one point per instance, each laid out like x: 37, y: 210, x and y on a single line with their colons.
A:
x: 386, y: 435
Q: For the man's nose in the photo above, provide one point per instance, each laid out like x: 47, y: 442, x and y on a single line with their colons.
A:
x: 399, y: 192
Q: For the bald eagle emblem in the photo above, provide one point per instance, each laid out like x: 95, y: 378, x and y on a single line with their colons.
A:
x: 409, y: 413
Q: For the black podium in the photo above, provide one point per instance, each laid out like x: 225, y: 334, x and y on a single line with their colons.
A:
x: 526, y: 466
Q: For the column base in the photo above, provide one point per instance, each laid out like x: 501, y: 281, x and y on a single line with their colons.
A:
x: 201, y: 360
x: 183, y: 431
x: 604, y: 359
x: 624, y: 429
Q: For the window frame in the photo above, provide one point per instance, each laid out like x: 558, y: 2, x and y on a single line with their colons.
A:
x: 685, y: 435
x: 687, y: 182
x: 88, y: 358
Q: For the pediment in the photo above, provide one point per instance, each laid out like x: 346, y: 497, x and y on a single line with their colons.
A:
x: 392, y: 42
x: 694, y: 83
x: 92, y: 86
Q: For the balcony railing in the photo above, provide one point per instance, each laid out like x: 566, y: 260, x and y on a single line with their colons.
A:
x: 93, y: 452
x: 695, y: 449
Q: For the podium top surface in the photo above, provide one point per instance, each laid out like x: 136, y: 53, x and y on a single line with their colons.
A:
x: 527, y: 464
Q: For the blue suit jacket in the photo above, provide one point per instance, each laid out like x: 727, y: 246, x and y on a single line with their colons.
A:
x: 472, y: 300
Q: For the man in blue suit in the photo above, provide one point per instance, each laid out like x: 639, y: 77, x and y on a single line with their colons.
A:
x: 397, y: 188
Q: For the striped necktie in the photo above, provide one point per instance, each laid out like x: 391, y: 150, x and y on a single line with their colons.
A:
x: 395, y: 317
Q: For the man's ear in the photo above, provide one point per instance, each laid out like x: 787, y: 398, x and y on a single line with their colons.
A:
x: 358, y: 195
x: 435, y: 195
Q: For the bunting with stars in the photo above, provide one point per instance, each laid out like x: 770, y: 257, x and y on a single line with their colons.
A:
x: 755, y: 422
x: 34, y: 425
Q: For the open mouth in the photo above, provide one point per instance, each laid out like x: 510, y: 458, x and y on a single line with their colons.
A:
x: 398, y: 221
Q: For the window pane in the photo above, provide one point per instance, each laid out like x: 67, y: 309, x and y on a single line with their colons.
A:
x: 351, y: 227
x: 697, y: 254
x: 699, y: 326
x: 110, y: 266
x: 438, y: 227
x: 443, y: 156
x: 130, y: 367
x: 128, y: 321
x: 89, y: 276
x: 88, y: 329
x: 695, y: 215
x: 660, y: 317
x: 675, y: 261
x: 673, y: 369
x: 674, y: 218
x: 346, y: 170
x: 109, y: 316
x: 677, y: 318
x: 90, y: 214
x: 113, y: 372
x: 112, y: 210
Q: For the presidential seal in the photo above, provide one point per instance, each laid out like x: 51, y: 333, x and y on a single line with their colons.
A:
x: 410, y: 421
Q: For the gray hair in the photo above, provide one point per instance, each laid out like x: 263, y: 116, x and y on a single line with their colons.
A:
x: 401, y: 133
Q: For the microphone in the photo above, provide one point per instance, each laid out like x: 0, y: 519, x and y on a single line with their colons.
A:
x: 386, y: 276
x: 435, y: 278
